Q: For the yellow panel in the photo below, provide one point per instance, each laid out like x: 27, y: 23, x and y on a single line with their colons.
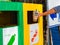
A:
x: 32, y: 7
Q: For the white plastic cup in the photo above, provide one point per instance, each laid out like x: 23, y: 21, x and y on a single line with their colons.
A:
x: 35, y: 15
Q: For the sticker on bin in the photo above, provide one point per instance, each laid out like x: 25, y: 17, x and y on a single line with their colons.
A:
x: 10, y: 36
x: 34, y: 34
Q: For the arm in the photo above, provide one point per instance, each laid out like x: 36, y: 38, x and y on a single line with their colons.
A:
x: 51, y: 11
x: 48, y: 12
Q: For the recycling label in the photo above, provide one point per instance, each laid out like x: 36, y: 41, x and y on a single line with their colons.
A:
x: 10, y: 36
x: 34, y: 37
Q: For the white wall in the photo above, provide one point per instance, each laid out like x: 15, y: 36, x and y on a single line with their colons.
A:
x: 53, y: 3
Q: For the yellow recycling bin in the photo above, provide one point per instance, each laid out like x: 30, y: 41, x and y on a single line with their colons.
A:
x: 33, y: 31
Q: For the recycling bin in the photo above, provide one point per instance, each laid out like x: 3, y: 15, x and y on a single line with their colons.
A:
x: 17, y: 26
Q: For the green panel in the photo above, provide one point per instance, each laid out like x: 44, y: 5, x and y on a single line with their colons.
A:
x: 15, y: 6
x: 4, y: 0
x: 1, y: 36
x: 7, y: 6
x: 20, y: 23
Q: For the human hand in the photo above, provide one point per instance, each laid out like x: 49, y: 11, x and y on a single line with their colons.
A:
x: 40, y: 14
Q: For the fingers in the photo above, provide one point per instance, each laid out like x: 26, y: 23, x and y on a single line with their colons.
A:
x: 40, y: 14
